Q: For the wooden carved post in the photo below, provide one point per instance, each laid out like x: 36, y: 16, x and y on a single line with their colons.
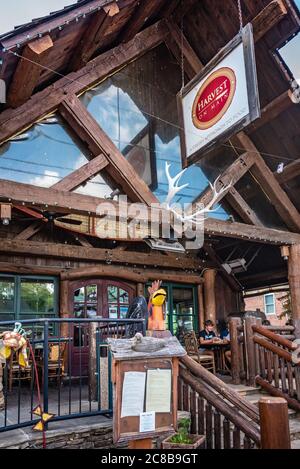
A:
x: 64, y: 313
x: 250, y: 350
x: 294, y: 279
x: 274, y: 423
x: 209, y: 294
x: 234, y: 323
x: 200, y: 306
x: 93, y: 360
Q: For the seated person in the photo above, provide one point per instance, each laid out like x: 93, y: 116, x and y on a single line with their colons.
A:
x: 207, y: 338
x: 225, y: 336
x: 224, y: 331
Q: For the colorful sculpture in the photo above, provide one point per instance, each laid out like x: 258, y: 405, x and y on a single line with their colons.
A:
x: 15, y: 341
x: 156, y: 307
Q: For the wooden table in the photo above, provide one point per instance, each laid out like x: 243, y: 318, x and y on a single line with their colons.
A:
x: 219, y: 349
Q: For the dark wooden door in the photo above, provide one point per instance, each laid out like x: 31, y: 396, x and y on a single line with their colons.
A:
x: 90, y: 298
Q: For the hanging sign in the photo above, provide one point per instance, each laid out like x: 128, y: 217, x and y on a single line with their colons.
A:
x: 221, y: 100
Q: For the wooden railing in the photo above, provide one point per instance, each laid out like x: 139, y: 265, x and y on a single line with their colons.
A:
x: 226, y: 419
x: 263, y: 355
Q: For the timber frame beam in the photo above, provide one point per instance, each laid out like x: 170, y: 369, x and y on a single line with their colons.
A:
x: 278, y: 197
x: 13, y: 121
x: 28, y: 70
x: 68, y: 202
x: 118, y: 168
x: 93, y: 35
x: 84, y: 253
x: 141, y: 13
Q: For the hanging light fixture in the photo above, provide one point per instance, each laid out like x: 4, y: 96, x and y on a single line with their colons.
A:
x: 5, y: 213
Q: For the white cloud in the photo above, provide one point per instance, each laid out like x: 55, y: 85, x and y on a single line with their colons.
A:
x: 49, y: 178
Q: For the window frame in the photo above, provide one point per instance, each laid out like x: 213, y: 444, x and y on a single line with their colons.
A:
x: 266, y: 305
x: 17, y: 298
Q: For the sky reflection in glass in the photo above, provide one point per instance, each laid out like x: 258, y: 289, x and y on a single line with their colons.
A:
x: 135, y: 99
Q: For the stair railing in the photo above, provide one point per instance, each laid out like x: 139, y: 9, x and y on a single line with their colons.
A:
x: 226, y: 419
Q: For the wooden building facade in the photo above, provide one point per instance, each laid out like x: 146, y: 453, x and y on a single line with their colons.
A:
x: 91, y: 115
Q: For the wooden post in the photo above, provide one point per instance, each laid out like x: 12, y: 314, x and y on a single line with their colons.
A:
x: 274, y: 423
x: 294, y: 279
x: 250, y: 350
x: 140, y: 289
x: 64, y: 306
x: 93, y: 360
x: 209, y: 294
x: 200, y: 306
x: 146, y: 443
x: 296, y: 324
x: 64, y: 313
x: 234, y: 323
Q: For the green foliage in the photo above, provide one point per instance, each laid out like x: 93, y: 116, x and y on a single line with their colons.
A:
x: 182, y: 436
x: 286, y: 306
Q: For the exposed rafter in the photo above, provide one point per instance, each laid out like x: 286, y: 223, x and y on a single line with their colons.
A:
x: 30, y: 231
x: 99, y: 254
x: 178, y: 44
x: 229, y: 279
x: 272, y: 110
x: 81, y: 175
x: 89, y: 131
x: 280, y: 200
x: 69, y: 202
x: 231, y: 175
x: 28, y: 71
x: 241, y: 207
x: 274, y: 12
x: 289, y: 172
x: 93, y: 35
x: 40, y: 104
x: 141, y: 13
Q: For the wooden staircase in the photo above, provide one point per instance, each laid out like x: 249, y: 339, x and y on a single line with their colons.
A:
x: 253, y: 394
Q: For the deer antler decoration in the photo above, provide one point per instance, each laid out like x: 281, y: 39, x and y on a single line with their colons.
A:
x: 174, y: 189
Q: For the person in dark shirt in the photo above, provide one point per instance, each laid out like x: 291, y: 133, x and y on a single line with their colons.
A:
x: 207, y: 337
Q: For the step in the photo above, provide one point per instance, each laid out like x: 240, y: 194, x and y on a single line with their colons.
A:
x: 243, y: 390
x: 295, y: 444
x: 295, y: 428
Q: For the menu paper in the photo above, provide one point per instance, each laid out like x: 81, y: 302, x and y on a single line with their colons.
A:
x: 147, y: 422
x: 133, y: 393
x: 158, y: 394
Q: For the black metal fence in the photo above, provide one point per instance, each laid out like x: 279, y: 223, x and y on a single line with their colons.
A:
x: 68, y: 372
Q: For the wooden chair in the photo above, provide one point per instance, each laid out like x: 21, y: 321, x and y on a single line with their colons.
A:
x: 56, y: 362
x: 17, y: 373
x: 191, y: 347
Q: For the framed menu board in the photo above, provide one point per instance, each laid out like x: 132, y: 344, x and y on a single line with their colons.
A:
x: 145, y: 395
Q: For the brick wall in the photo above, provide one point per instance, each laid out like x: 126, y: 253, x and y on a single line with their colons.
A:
x: 258, y: 302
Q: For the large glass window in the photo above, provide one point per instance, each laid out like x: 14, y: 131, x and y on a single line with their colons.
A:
x: 27, y: 297
x: 137, y: 108
x: 45, y: 154
x: 118, y: 302
x: 181, y: 309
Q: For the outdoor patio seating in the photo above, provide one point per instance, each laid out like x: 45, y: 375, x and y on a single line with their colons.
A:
x: 191, y: 346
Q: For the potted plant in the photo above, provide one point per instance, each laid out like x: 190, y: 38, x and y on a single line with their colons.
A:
x: 183, y: 439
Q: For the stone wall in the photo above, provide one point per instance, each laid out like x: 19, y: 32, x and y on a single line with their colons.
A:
x: 85, y: 437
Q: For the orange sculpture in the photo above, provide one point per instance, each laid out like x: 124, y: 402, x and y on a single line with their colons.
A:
x: 156, y: 307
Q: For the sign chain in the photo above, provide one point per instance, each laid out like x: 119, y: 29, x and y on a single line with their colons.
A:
x: 240, y: 14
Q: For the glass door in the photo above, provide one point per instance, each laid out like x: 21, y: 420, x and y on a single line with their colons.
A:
x: 181, y: 308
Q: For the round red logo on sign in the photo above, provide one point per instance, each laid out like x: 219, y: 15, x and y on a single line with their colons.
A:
x: 214, y: 98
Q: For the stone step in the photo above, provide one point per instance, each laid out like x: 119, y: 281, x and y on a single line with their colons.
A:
x: 295, y: 428
x: 295, y: 444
